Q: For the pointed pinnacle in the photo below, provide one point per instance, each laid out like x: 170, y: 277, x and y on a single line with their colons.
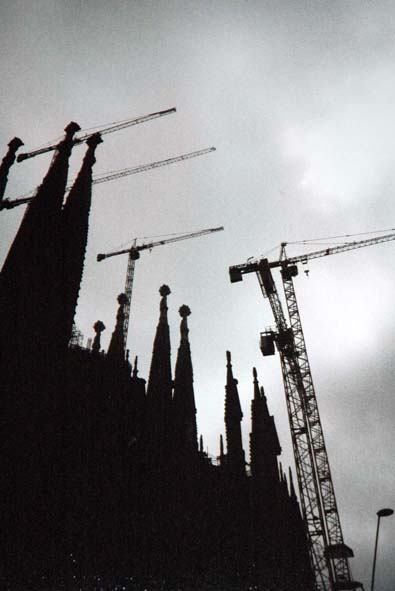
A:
x: 201, y: 443
x: 256, y: 384
x: 291, y: 482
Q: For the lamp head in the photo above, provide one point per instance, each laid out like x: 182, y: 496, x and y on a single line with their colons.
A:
x: 385, y: 512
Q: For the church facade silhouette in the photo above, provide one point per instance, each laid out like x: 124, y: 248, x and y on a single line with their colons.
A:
x: 103, y: 476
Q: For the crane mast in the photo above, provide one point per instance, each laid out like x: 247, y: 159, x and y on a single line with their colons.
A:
x: 111, y: 176
x: 328, y: 552
x: 322, y: 510
x: 129, y: 289
x: 134, y: 254
x: 298, y: 413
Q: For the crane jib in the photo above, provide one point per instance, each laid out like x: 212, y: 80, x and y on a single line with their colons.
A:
x: 134, y: 250
x: 104, y: 178
x: 104, y: 130
x: 236, y: 271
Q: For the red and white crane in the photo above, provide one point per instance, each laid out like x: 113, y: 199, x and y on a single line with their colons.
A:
x: 329, y: 555
x: 134, y: 253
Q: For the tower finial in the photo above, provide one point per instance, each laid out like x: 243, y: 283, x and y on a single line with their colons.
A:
x: 116, y: 349
x: 71, y: 128
x: 98, y: 328
x: 164, y: 292
x: 94, y: 140
x: 184, y: 312
x: 122, y: 299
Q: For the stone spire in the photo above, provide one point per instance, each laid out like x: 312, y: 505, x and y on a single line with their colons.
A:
x: 28, y: 278
x: 264, y: 443
x: 116, y: 348
x: 159, y: 389
x: 235, y: 459
x: 75, y: 218
x: 7, y: 162
x: 98, y: 328
x: 160, y: 380
x: 184, y: 409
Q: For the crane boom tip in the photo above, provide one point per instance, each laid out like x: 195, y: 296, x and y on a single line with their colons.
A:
x: 168, y: 111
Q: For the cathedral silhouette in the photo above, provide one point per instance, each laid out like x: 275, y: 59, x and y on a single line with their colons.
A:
x: 104, y: 483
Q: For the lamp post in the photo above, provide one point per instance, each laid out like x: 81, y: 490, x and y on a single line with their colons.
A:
x: 381, y: 513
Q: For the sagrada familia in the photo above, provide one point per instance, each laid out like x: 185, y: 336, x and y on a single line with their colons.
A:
x: 104, y: 483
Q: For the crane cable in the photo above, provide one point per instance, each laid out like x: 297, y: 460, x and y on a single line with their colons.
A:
x: 316, y: 240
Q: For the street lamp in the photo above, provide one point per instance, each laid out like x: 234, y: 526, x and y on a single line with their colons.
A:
x: 381, y: 513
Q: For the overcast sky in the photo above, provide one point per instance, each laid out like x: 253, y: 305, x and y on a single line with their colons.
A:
x: 299, y: 99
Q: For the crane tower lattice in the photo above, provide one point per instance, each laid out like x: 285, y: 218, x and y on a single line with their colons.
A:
x: 328, y: 552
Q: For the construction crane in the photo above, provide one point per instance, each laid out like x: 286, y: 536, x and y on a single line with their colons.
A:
x: 328, y: 552
x: 111, y: 176
x: 134, y: 254
x: 79, y: 139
